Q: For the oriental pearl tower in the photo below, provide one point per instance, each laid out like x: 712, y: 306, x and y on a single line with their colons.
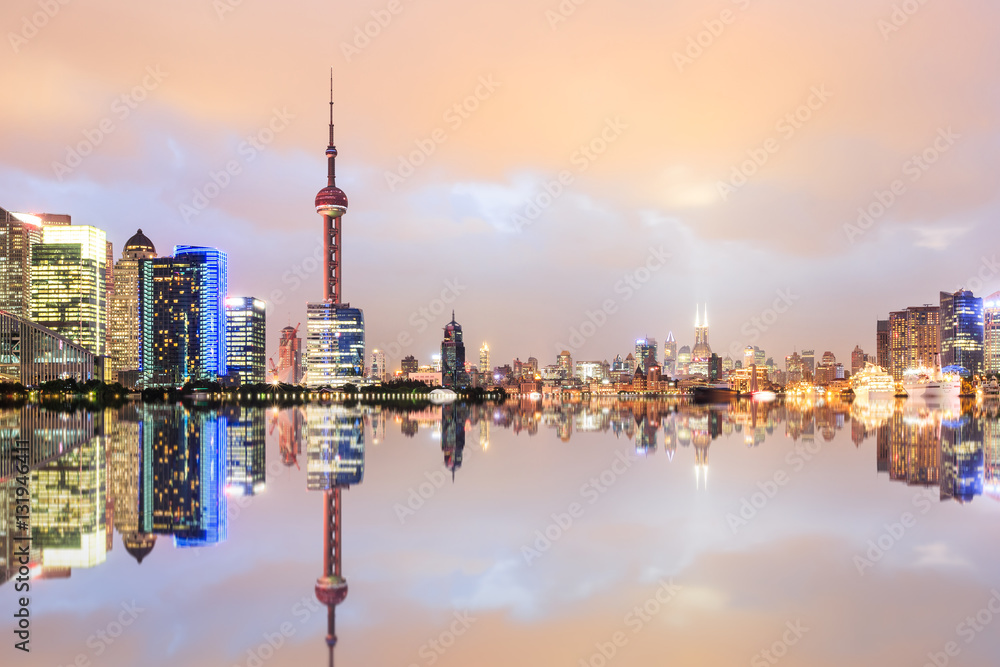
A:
x: 331, y: 203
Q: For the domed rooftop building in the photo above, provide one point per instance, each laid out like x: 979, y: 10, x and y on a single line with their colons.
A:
x: 139, y: 545
x: 139, y: 247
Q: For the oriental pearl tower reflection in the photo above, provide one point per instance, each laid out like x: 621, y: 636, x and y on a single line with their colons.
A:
x: 335, y: 461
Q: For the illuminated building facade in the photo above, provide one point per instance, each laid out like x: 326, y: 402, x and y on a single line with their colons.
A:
x: 962, y: 459
x: 123, y: 320
x: 701, y: 350
x: 377, y: 372
x: 914, y: 338
x: 484, y: 359
x: 808, y: 363
x: 290, y: 356
x: 183, y: 476
x: 182, y: 317
x: 335, y: 344
x: 68, y: 504
x: 335, y: 454
x: 646, y: 350
x: 453, y: 373
x: 68, y: 284
x: 991, y: 333
x: 962, y: 331
x: 246, y: 337
x: 565, y: 363
x: 245, y: 456
x: 19, y: 232
x: 670, y: 355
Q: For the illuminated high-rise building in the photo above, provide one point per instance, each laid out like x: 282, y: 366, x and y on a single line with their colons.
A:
x: 68, y: 289
x: 991, y: 333
x: 701, y: 350
x: 182, y: 317
x: 484, y: 359
x: 645, y: 353
x: 123, y: 320
x: 19, y: 232
x: 246, y: 337
x: 335, y: 332
x: 453, y: 356
x: 962, y: 331
x: 335, y: 344
x: 858, y: 358
x: 670, y: 355
x: 289, y: 368
x: 914, y: 338
x: 808, y: 363
x: 565, y: 363
x: 377, y: 371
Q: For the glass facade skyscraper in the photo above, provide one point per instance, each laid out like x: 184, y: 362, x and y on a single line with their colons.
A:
x: 246, y: 338
x: 182, y: 317
x: 962, y: 331
x: 19, y: 232
x: 453, y: 356
x: 68, y: 284
x: 335, y: 344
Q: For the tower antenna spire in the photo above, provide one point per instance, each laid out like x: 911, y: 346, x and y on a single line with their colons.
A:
x: 331, y: 106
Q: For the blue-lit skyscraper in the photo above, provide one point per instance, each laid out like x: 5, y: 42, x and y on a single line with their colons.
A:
x: 183, y: 477
x: 962, y: 331
x: 182, y: 317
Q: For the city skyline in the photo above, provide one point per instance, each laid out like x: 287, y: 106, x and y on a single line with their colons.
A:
x: 176, y: 120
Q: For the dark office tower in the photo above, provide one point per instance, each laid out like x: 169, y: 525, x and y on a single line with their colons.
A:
x: 714, y: 368
x: 182, y: 317
x: 19, y: 232
x: 453, y: 356
x: 409, y: 364
x: 245, y: 338
x: 882, y: 344
x: 962, y: 331
x: 645, y: 353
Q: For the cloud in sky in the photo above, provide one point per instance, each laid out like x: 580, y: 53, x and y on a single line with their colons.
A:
x: 808, y: 114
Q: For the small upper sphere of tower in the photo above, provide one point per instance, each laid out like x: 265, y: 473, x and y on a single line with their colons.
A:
x: 331, y: 201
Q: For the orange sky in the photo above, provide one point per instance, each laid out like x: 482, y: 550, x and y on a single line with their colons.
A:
x: 683, y: 122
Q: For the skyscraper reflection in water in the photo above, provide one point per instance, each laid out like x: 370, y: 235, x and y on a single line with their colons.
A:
x: 335, y: 454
